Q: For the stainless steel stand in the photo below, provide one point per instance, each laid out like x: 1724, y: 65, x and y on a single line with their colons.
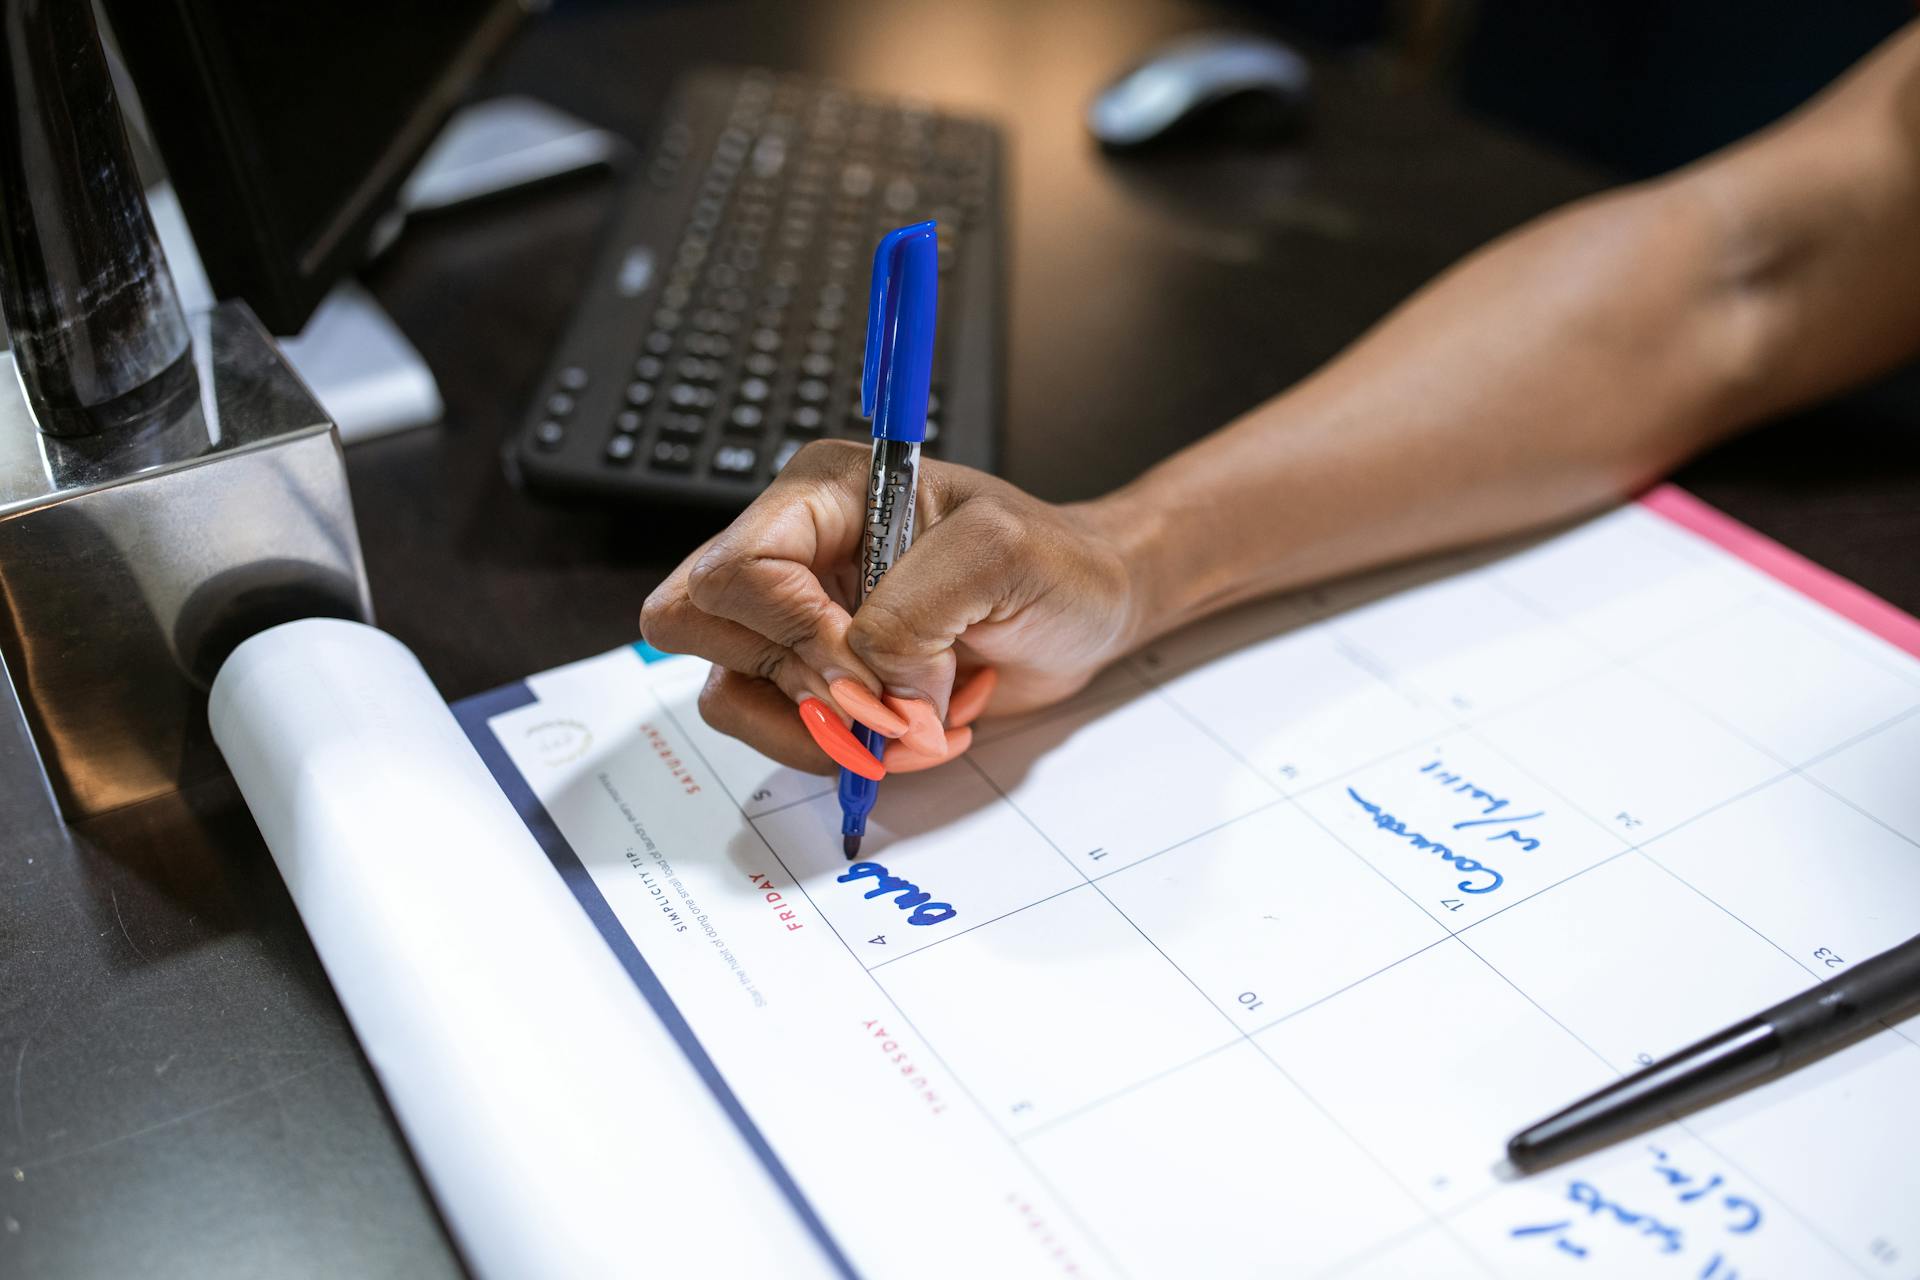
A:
x: 129, y: 569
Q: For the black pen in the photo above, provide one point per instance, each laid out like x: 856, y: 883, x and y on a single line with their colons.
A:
x: 1782, y: 1038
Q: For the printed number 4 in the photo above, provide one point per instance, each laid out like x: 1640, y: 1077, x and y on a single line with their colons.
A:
x: 1452, y: 904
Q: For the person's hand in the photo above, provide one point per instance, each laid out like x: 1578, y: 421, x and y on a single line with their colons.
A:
x: 1003, y: 603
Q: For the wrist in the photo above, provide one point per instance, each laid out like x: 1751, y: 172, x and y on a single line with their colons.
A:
x: 1132, y: 527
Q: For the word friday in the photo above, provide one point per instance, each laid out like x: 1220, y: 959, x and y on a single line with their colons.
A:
x: 908, y: 896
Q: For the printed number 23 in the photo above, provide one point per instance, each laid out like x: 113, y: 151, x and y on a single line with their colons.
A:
x: 1828, y: 959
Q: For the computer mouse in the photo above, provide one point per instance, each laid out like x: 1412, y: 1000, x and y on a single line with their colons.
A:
x: 1239, y: 86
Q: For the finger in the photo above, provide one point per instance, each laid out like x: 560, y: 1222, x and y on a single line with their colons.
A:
x: 764, y: 572
x: 671, y: 623
x: 960, y: 573
x: 762, y: 716
x: 832, y: 736
x: 970, y: 697
x: 904, y: 759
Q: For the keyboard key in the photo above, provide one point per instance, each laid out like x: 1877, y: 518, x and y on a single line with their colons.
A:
x: 754, y: 390
x: 559, y: 404
x: 816, y: 365
x: 659, y: 342
x: 766, y: 339
x: 672, y: 455
x: 620, y: 449
x: 627, y: 421
x: 573, y: 378
x: 785, y: 455
x: 684, y: 426
x: 648, y: 368
x: 549, y: 434
x: 762, y: 365
x: 856, y: 180
x: 685, y: 395
x: 812, y: 391
x: 734, y: 460
x: 806, y: 418
x: 746, y: 417
x: 639, y: 394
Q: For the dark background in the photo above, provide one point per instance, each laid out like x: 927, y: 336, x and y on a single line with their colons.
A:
x: 179, y: 1092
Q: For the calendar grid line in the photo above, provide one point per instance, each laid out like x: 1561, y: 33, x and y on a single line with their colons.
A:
x: 1309, y: 814
x: 1242, y: 1034
x: 1630, y: 663
x: 784, y: 805
x: 1085, y: 1108
x: 1455, y: 935
x: 1797, y: 771
x: 949, y: 937
x: 1066, y: 1206
x: 1088, y: 880
x: 1892, y: 722
x: 1789, y: 770
x: 1678, y: 1123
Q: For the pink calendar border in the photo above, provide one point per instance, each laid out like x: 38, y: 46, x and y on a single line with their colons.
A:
x: 1853, y: 602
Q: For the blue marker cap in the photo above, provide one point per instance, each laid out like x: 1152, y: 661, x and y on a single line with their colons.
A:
x: 901, y: 309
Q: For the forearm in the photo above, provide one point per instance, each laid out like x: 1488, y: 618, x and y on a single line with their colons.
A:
x: 1563, y: 367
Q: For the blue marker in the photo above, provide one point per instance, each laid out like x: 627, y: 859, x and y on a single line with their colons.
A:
x: 893, y: 393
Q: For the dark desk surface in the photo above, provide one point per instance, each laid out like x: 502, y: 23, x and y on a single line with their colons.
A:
x: 179, y: 1092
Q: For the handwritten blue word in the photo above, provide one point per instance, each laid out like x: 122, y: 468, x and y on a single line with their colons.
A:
x: 1467, y: 866
x: 1737, y: 1215
x: 1589, y: 1198
x: 907, y: 895
x: 1745, y: 1213
x: 1491, y: 806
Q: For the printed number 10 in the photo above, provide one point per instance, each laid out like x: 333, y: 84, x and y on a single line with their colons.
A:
x: 1250, y: 1001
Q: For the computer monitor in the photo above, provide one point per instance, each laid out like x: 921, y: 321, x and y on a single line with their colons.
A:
x: 288, y: 128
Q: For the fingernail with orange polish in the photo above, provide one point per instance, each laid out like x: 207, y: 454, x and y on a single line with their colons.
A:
x: 857, y: 701
x: 970, y: 699
x: 838, y: 741
x: 924, y: 732
x: 904, y: 759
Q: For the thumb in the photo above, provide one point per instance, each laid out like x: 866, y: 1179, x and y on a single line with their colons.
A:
x: 962, y: 571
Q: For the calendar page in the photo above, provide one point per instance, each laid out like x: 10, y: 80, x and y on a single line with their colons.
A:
x: 1248, y: 959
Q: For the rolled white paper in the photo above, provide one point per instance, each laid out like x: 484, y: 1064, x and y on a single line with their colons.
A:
x: 560, y: 1127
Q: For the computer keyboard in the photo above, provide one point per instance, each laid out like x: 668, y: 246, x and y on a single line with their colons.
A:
x: 723, y: 325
